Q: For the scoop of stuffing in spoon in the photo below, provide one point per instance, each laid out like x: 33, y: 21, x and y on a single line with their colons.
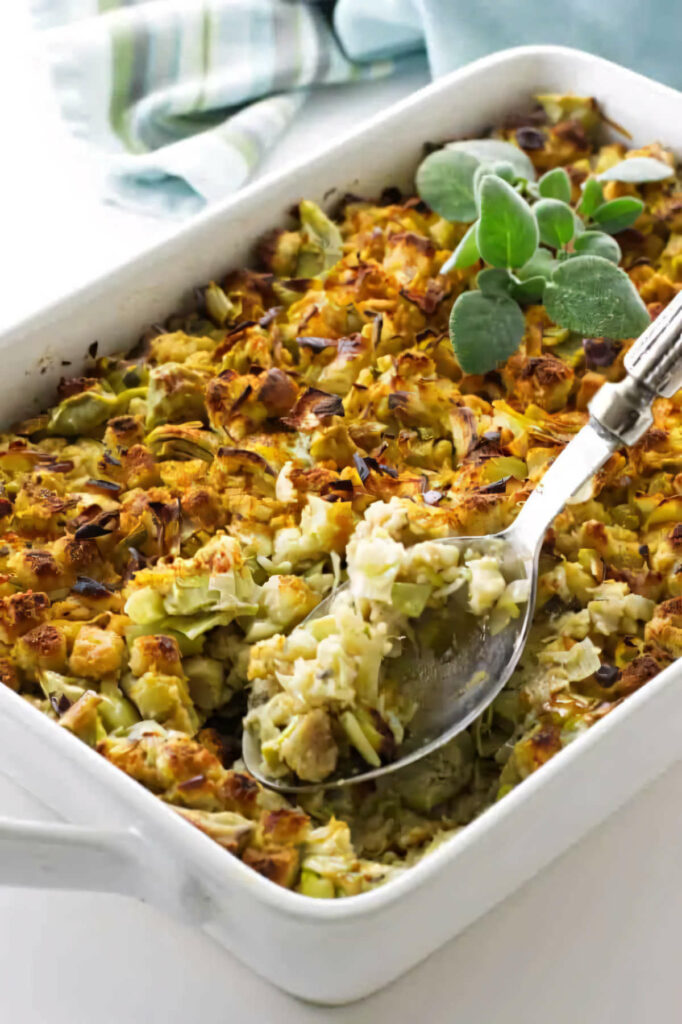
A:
x: 425, y: 634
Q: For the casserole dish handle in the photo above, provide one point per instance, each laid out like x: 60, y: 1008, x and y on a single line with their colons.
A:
x: 58, y: 855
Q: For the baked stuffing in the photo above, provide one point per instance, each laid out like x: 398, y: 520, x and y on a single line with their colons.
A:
x: 172, y: 519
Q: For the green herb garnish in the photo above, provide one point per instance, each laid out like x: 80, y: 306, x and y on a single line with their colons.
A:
x: 507, y: 232
x: 592, y: 197
x: 592, y: 290
x: 638, y: 169
x: 555, y: 184
x: 447, y: 177
x: 535, y: 247
x: 618, y: 214
x: 481, y: 319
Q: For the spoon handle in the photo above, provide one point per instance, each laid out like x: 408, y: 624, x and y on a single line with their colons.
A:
x: 580, y: 460
x: 655, y: 360
x: 619, y: 415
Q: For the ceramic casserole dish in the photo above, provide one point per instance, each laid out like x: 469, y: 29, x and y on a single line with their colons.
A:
x: 116, y: 836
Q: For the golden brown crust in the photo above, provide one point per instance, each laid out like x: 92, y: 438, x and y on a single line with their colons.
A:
x: 20, y: 613
x: 239, y: 792
x: 44, y: 646
x: 159, y: 653
x: 279, y: 864
x: 96, y: 653
x: 285, y: 826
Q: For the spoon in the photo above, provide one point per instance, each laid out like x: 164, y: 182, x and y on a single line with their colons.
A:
x: 456, y: 688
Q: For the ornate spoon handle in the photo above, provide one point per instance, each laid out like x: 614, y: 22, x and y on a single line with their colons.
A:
x: 619, y: 415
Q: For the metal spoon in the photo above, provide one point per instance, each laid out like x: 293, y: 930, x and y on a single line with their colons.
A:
x: 456, y: 688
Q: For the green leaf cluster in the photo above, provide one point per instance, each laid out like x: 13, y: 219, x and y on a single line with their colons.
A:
x: 535, y: 246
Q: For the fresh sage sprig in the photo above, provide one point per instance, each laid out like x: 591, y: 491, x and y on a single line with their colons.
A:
x: 637, y: 170
x: 534, y: 245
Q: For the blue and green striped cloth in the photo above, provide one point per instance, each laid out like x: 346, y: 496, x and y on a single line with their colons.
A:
x: 182, y: 98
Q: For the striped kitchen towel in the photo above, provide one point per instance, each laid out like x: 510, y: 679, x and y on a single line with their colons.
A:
x: 183, y: 97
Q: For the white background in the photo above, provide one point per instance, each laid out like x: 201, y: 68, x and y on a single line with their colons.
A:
x: 594, y: 938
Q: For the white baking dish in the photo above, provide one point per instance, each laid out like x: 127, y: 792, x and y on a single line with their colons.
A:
x: 122, y: 838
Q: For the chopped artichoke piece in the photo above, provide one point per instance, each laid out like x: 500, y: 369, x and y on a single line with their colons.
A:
x: 500, y: 467
x: 145, y: 606
x: 82, y: 414
x: 194, y: 626
x: 322, y: 244
x: 218, y: 306
x: 182, y: 442
x: 188, y: 594
x: 216, y: 580
x: 116, y: 712
x: 175, y: 393
x: 164, y: 698
x: 83, y: 720
x: 206, y: 679
x: 357, y: 738
x: 54, y: 683
x: 312, y: 884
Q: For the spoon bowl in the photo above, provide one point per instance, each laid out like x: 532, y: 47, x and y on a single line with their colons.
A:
x: 450, y: 687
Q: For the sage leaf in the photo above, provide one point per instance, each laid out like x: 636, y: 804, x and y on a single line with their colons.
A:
x: 541, y: 264
x: 445, y: 180
x: 486, y: 170
x: 618, y: 214
x: 529, y: 291
x: 483, y: 171
x: 485, y: 329
x: 507, y: 232
x: 598, y: 244
x: 555, y: 221
x: 495, y: 281
x: 466, y: 253
x: 638, y: 169
x: 504, y: 169
x: 489, y: 151
x: 578, y: 224
x: 555, y: 184
x: 591, y: 295
x: 593, y: 196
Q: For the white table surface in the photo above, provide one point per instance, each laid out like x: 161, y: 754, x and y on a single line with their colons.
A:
x: 593, y: 938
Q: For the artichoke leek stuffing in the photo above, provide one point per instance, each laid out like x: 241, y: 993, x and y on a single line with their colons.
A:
x: 171, y: 521
x: 342, y: 682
